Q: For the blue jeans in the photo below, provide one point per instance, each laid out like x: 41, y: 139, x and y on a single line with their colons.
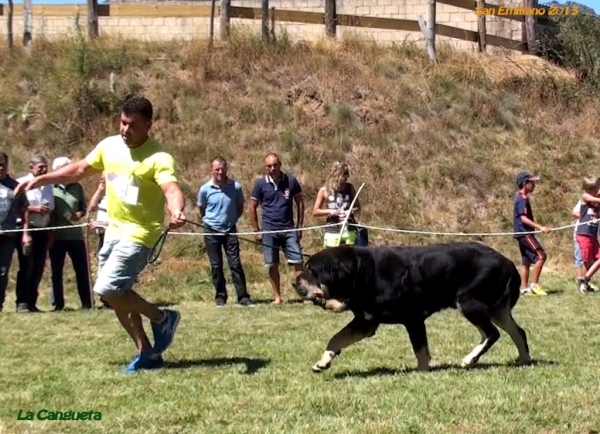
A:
x: 119, y: 264
x: 288, y: 241
x: 577, y: 254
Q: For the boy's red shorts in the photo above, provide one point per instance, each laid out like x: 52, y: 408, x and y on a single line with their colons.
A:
x: 590, y: 248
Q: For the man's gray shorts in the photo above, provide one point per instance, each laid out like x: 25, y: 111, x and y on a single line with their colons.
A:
x: 119, y: 263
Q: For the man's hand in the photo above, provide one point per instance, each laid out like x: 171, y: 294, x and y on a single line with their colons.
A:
x: 26, y: 239
x: 39, y: 209
x: 95, y: 225
x: 30, y: 184
x: 177, y: 220
x: 77, y: 216
x: 545, y: 230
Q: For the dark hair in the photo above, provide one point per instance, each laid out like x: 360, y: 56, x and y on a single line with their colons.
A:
x: 2, y: 154
x: 220, y: 160
x: 137, y: 104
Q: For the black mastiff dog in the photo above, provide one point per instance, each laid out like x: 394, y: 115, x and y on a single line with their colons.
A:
x: 406, y: 285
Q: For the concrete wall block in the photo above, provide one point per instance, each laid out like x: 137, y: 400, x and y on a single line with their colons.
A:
x: 377, y: 11
x: 440, y: 18
x: 392, y: 10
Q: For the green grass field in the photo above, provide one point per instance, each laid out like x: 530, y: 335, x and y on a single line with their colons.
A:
x: 239, y: 370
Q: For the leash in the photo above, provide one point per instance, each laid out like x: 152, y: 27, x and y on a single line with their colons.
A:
x: 158, y: 246
x: 154, y: 253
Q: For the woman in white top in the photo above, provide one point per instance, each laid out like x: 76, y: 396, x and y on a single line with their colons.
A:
x: 99, y: 205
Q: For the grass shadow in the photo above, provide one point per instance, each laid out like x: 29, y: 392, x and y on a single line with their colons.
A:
x: 253, y: 365
x: 383, y: 372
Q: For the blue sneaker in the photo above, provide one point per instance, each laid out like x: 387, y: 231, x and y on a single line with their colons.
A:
x: 144, y: 361
x: 164, y: 331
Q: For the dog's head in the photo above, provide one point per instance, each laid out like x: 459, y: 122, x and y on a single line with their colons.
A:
x: 310, y: 287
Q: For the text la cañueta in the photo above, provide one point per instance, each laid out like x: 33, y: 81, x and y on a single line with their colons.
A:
x: 59, y: 415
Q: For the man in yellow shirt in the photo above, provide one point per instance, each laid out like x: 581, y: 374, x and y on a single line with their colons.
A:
x: 140, y: 178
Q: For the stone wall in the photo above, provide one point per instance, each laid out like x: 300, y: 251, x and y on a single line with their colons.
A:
x: 187, y: 28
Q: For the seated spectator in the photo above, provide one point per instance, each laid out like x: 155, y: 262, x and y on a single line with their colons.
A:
x: 69, y: 209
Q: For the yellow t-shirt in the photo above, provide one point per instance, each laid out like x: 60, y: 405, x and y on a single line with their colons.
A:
x: 136, y: 203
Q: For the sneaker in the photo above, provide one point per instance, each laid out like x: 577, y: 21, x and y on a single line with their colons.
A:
x: 537, y: 290
x: 526, y: 290
x: 584, y: 285
x: 591, y: 288
x: 164, y: 331
x: 246, y: 302
x: 220, y: 302
x: 144, y: 361
x: 23, y: 308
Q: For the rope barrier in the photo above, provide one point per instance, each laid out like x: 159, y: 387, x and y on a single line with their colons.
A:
x: 310, y: 228
x: 468, y: 234
x: 48, y: 228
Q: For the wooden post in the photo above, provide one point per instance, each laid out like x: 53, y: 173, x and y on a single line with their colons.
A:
x: 330, y: 18
x: 9, y: 25
x: 265, y: 20
x: 431, y: 22
x: 211, y: 28
x: 92, y: 13
x: 528, y: 27
x: 26, y: 23
x: 428, y: 29
x: 272, y: 24
x: 481, y: 28
x: 225, y: 18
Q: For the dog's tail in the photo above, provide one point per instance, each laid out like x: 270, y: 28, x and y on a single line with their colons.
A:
x: 512, y: 291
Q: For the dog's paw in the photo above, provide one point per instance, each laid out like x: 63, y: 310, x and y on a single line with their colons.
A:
x: 524, y: 361
x: 468, y: 361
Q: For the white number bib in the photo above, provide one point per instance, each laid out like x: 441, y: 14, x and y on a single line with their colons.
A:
x: 126, y: 190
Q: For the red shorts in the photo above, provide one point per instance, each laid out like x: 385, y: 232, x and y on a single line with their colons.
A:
x: 590, y: 248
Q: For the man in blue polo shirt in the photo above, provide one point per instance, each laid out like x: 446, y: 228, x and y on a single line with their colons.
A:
x: 276, y: 192
x: 221, y: 203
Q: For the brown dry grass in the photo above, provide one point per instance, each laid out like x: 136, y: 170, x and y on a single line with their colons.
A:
x: 438, y: 146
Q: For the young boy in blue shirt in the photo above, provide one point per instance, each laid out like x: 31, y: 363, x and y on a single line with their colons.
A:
x: 532, y: 252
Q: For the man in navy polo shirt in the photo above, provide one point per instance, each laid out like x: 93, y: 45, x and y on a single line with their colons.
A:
x: 276, y: 192
x: 221, y: 203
